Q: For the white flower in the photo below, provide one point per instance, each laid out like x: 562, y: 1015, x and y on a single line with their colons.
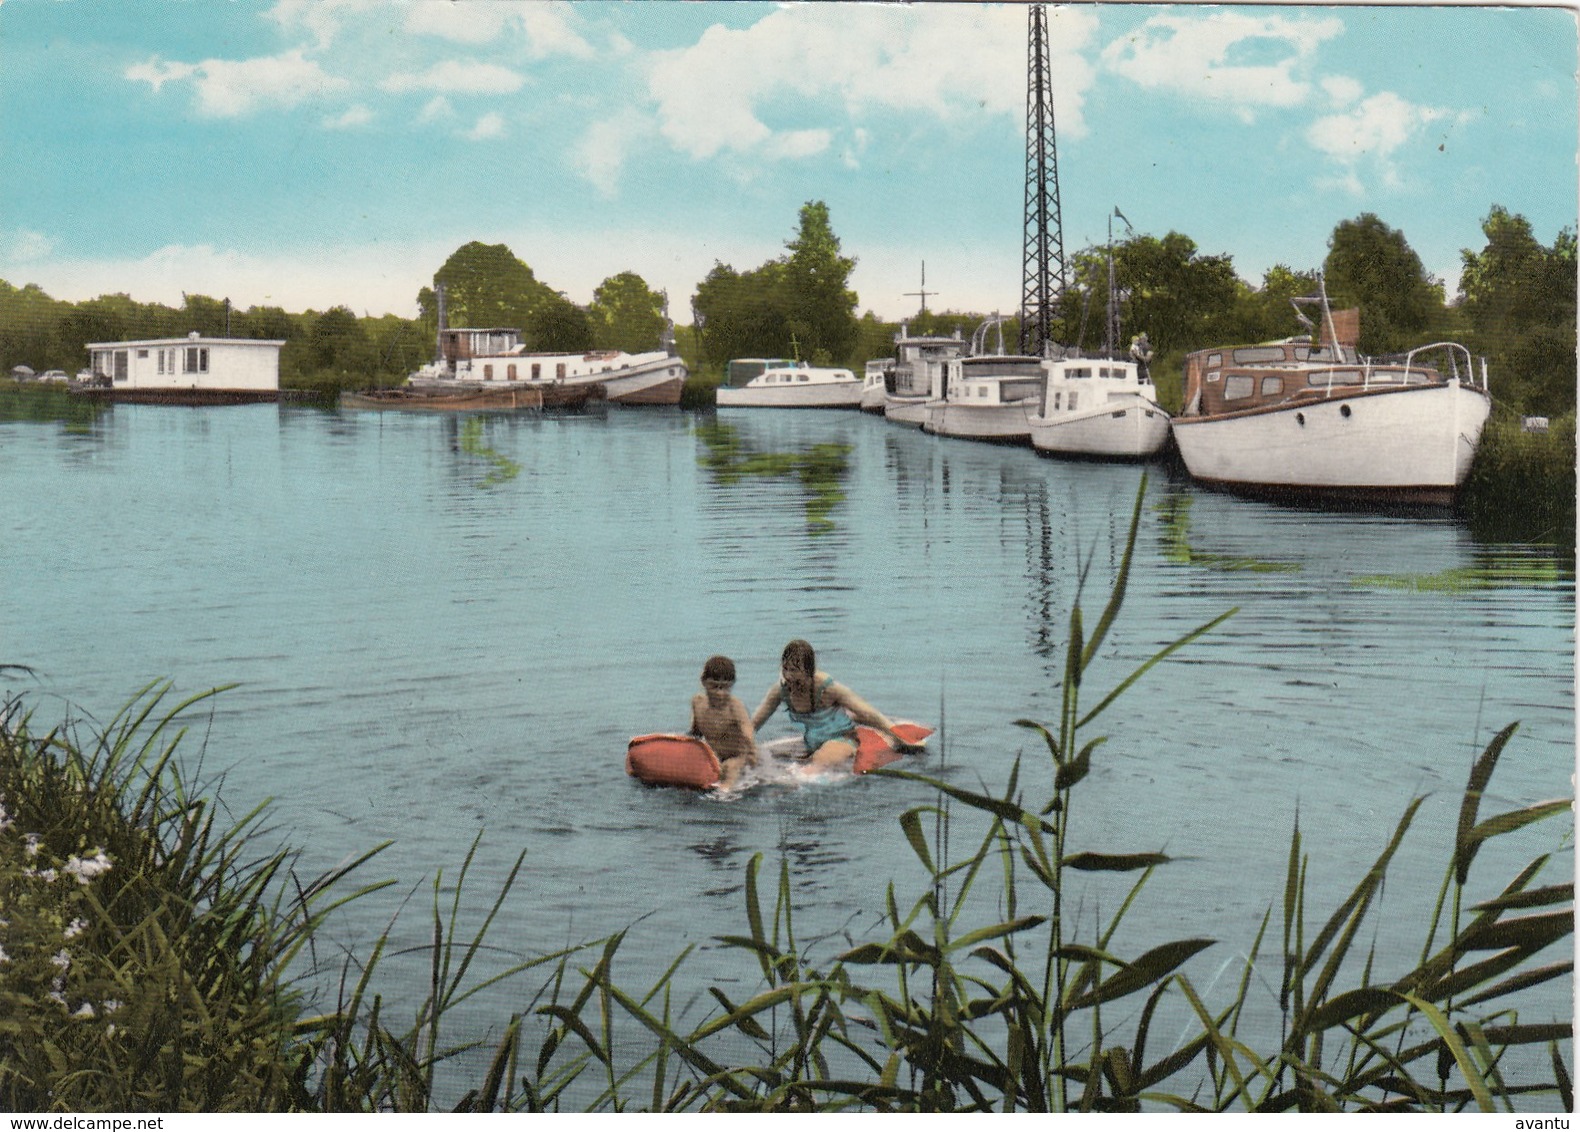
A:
x: 83, y: 1011
x: 56, y: 996
x: 45, y: 875
x: 4, y: 958
x: 61, y: 959
x: 111, y: 1005
x: 75, y: 928
x: 86, y: 868
x: 32, y: 844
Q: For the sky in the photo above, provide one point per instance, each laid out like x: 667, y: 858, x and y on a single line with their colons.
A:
x: 315, y: 153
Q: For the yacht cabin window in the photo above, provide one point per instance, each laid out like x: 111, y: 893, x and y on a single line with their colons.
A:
x: 1272, y: 385
x: 1238, y: 386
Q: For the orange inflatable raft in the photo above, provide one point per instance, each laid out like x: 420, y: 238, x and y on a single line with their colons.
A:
x: 686, y: 760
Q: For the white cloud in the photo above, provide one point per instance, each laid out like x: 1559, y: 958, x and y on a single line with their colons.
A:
x: 228, y: 88
x: 820, y: 70
x: 456, y: 77
x: 489, y: 127
x: 1241, y: 61
x: 437, y: 107
x: 600, y: 155
x: 25, y: 246
x: 322, y: 19
x: 547, y: 28
x: 1342, y: 90
x: 798, y: 143
x: 350, y: 120
x: 1371, y: 135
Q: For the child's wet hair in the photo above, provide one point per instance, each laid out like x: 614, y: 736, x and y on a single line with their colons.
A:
x: 799, y: 656
x: 719, y: 668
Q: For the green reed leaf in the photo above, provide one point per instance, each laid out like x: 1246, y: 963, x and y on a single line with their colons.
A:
x: 1116, y: 595
x: 1456, y: 1049
x: 911, y: 823
x: 1114, y: 862
x: 994, y: 931
x: 1158, y: 656
x: 1531, y: 933
x: 1520, y: 982
x: 1155, y: 964
x: 1480, y: 774
x: 1516, y: 819
x: 1531, y: 898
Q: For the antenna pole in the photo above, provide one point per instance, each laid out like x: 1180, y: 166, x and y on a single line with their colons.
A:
x: 1043, y: 248
x: 924, y: 292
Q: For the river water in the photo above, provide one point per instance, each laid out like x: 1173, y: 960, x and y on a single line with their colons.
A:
x: 442, y: 627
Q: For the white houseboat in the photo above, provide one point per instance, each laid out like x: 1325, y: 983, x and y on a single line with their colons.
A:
x: 874, y: 387
x: 1311, y: 416
x: 794, y: 385
x: 492, y: 357
x: 187, y: 371
x: 1101, y: 407
x: 917, y: 375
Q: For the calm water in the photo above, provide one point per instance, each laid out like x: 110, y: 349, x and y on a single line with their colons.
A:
x: 428, y: 647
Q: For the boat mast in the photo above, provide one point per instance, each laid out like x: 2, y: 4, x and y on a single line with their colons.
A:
x: 1042, y: 257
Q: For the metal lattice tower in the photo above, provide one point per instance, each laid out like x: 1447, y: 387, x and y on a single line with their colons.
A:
x: 1043, y: 251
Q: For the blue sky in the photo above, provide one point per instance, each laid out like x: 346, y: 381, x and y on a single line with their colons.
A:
x: 309, y: 153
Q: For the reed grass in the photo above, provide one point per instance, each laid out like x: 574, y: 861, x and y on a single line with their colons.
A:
x: 1521, y: 486
x: 203, y: 961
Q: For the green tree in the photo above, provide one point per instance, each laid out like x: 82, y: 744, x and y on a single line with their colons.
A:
x: 205, y: 315
x: 337, y: 342
x: 1371, y: 266
x: 626, y: 314
x: 1181, y: 300
x: 1518, y: 298
x: 742, y: 315
x: 556, y: 324
x: 485, y: 286
x: 821, y: 309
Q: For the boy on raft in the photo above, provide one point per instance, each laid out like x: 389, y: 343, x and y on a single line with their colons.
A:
x: 719, y: 717
x: 827, y: 712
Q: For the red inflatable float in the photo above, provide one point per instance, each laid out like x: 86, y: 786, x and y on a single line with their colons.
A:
x: 685, y: 760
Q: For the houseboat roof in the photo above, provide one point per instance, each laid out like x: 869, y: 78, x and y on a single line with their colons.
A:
x: 187, y: 341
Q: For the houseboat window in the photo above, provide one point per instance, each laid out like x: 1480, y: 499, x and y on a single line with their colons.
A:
x: 1058, y: 401
x: 981, y: 391
x: 1214, y: 376
x: 559, y: 371
x: 488, y: 373
x: 1080, y: 371
x: 196, y: 359
x: 161, y: 361
x: 1247, y: 354
x: 1272, y: 385
x: 1238, y: 386
x: 1335, y: 377
x: 802, y: 377
x: 1074, y: 397
x: 120, y: 365
x: 142, y: 353
x: 537, y: 371
x: 510, y: 372
x: 1214, y: 360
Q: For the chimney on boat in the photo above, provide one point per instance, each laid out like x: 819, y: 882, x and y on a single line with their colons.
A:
x: 1346, y: 328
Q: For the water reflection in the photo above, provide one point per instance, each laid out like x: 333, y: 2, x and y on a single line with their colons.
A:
x: 1174, y: 536
x: 821, y: 469
x: 48, y: 401
x: 1491, y: 568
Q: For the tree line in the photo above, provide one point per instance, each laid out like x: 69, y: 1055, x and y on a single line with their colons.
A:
x: 1515, y: 304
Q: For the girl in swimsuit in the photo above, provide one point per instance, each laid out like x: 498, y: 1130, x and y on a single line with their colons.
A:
x: 827, y: 712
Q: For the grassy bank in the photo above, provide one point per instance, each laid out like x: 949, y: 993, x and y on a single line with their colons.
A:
x: 1522, y: 484
x: 156, y: 960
